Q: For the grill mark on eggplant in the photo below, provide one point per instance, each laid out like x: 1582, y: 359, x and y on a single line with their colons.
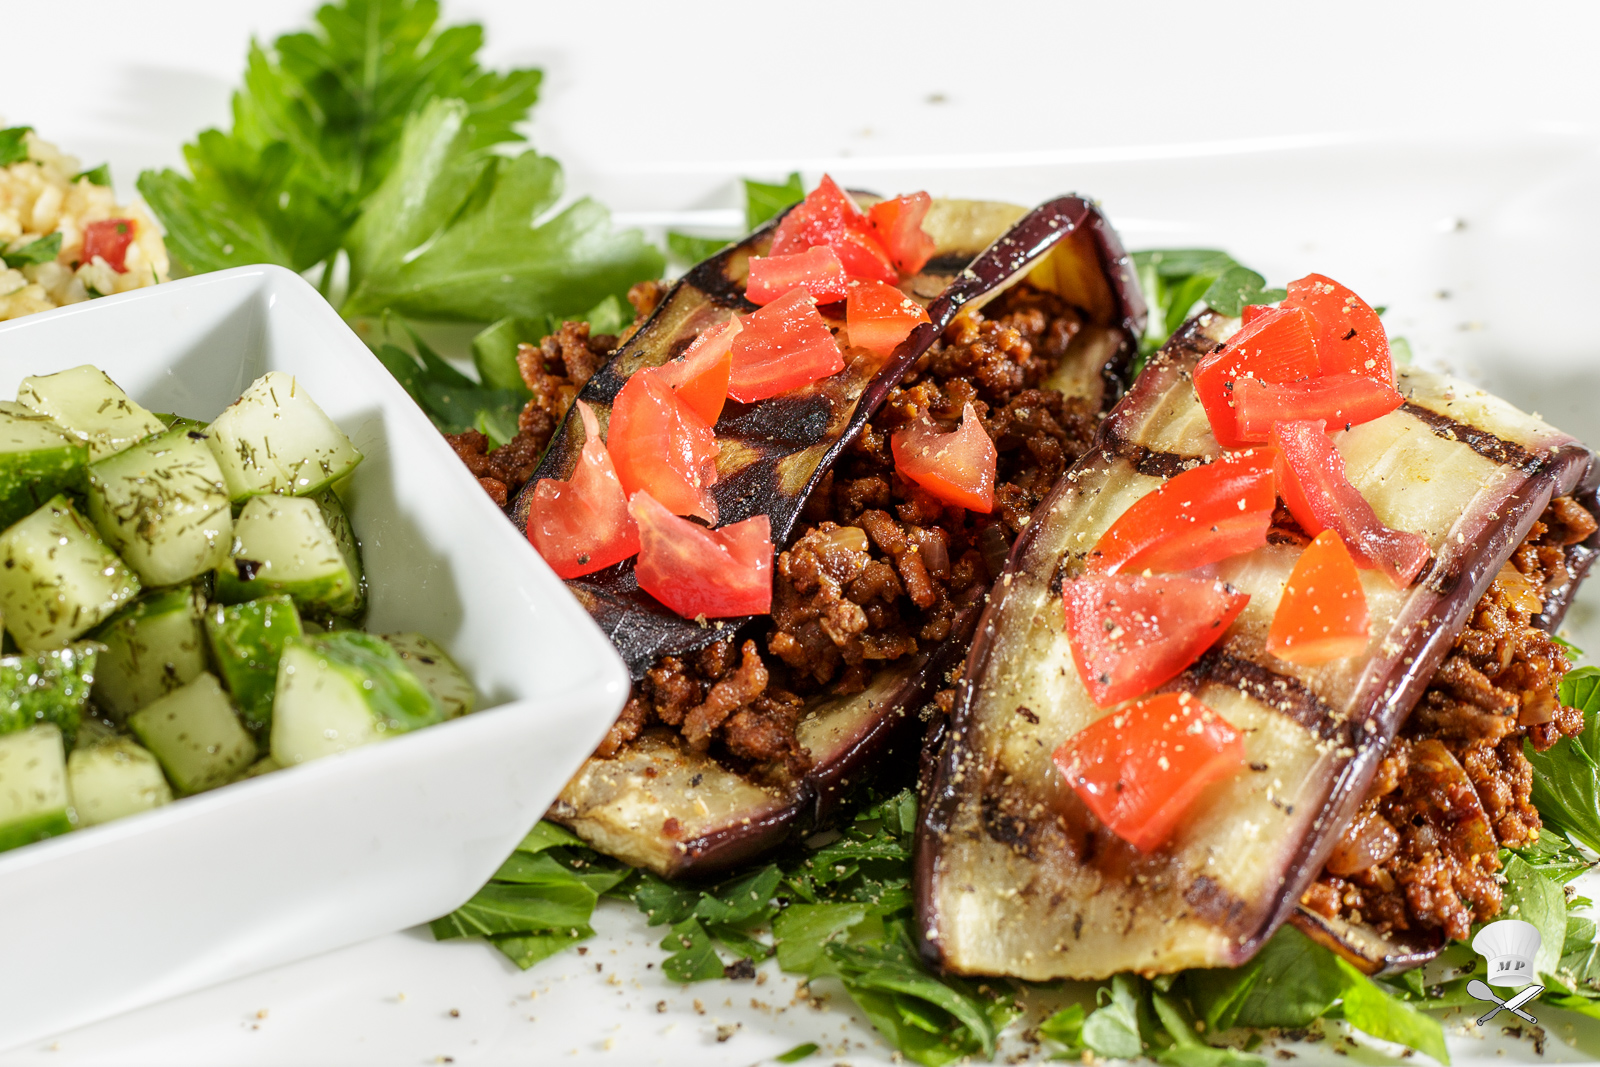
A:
x: 1147, y: 461
x: 1213, y: 903
x: 1489, y: 446
x: 644, y: 630
x: 1285, y: 694
x: 793, y: 422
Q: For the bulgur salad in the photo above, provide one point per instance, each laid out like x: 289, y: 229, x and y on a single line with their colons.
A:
x: 63, y: 236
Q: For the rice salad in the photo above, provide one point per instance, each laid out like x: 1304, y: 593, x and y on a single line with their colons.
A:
x: 52, y: 213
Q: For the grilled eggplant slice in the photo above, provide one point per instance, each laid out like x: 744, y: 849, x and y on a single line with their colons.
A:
x: 1014, y: 875
x: 680, y: 813
x: 774, y: 452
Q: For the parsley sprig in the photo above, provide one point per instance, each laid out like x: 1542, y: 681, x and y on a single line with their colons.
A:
x: 377, y: 138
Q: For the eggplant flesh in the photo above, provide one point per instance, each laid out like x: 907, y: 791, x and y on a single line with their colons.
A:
x: 775, y: 451
x: 681, y: 813
x: 1015, y: 877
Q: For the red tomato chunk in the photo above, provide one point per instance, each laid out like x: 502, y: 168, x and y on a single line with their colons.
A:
x: 816, y: 270
x: 582, y: 525
x: 1201, y: 516
x: 700, y: 376
x: 1338, y: 399
x: 1252, y: 312
x: 1275, y: 347
x: 878, y: 316
x: 1141, y: 768
x: 109, y: 239
x: 1323, y: 613
x: 696, y: 571
x: 661, y: 446
x: 899, y: 223
x: 1350, y: 336
x: 1130, y: 633
x: 956, y: 467
x: 1313, y: 484
x: 827, y: 216
x: 783, y: 346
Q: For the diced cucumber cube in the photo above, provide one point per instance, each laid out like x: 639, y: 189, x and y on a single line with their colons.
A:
x: 344, y: 535
x: 246, y: 642
x: 38, y: 459
x: 91, y: 407
x: 152, y: 648
x: 264, y: 765
x: 34, y: 803
x: 50, y: 686
x: 284, y: 544
x: 92, y: 730
x: 115, y: 778
x: 196, y: 736
x: 275, y: 439
x: 341, y: 690
x: 162, y: 505
x: 58, y: 580
x: 436, y: 671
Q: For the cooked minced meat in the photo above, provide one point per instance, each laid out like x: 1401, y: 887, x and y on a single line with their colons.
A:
x: 880, y: 568
x: 1455, y: 786
x: 555, y: 370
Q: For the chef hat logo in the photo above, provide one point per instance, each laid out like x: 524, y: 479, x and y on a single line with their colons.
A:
x: 1509, y: 946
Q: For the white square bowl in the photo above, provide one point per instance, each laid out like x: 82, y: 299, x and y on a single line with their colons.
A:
x: 332, y: 852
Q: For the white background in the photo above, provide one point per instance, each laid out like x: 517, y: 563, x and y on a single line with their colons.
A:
x: 1441, y: 158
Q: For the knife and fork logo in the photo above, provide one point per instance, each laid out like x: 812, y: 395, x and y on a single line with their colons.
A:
x: 1508, y: 947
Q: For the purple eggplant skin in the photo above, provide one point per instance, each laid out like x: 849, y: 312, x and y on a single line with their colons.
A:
x: 782, y: 447
x: 1014, y: 877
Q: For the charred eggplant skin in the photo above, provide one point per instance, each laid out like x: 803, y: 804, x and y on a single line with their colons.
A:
x: 777, y: 451
x: 1178, y: 913
x: 620, y: 808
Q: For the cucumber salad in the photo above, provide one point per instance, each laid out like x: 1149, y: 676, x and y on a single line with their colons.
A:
x: 182, y: 604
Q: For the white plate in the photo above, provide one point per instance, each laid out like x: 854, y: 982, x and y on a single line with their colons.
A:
x: 1506, y: 228
x: 307, y: 859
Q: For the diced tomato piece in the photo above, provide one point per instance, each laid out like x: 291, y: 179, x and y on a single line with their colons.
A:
x: 696, y: 571
x: 899, y: 224
x: 878, y: 316
x: 783, y: 346
x: 1252, y: 312
x: 816, y: 270
x: 1312, y: 482
x: 1338, y: 399
x: 1199, y: 517
x: 1130, y: 633
x: 1323, y: 613
x: 957, y: 467
x: 700, y: 376
x: 582, y: 525
x: 1350, y: 336
x: 109, y: 239
x: 827, y: 216
x: 1275, y: 347
x: 1140, y: 769
x: 661, y: 446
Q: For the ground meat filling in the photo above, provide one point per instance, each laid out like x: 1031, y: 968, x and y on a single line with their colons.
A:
x: 1455, y: 786
x: 880, y: 569
x: 554, y: 371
